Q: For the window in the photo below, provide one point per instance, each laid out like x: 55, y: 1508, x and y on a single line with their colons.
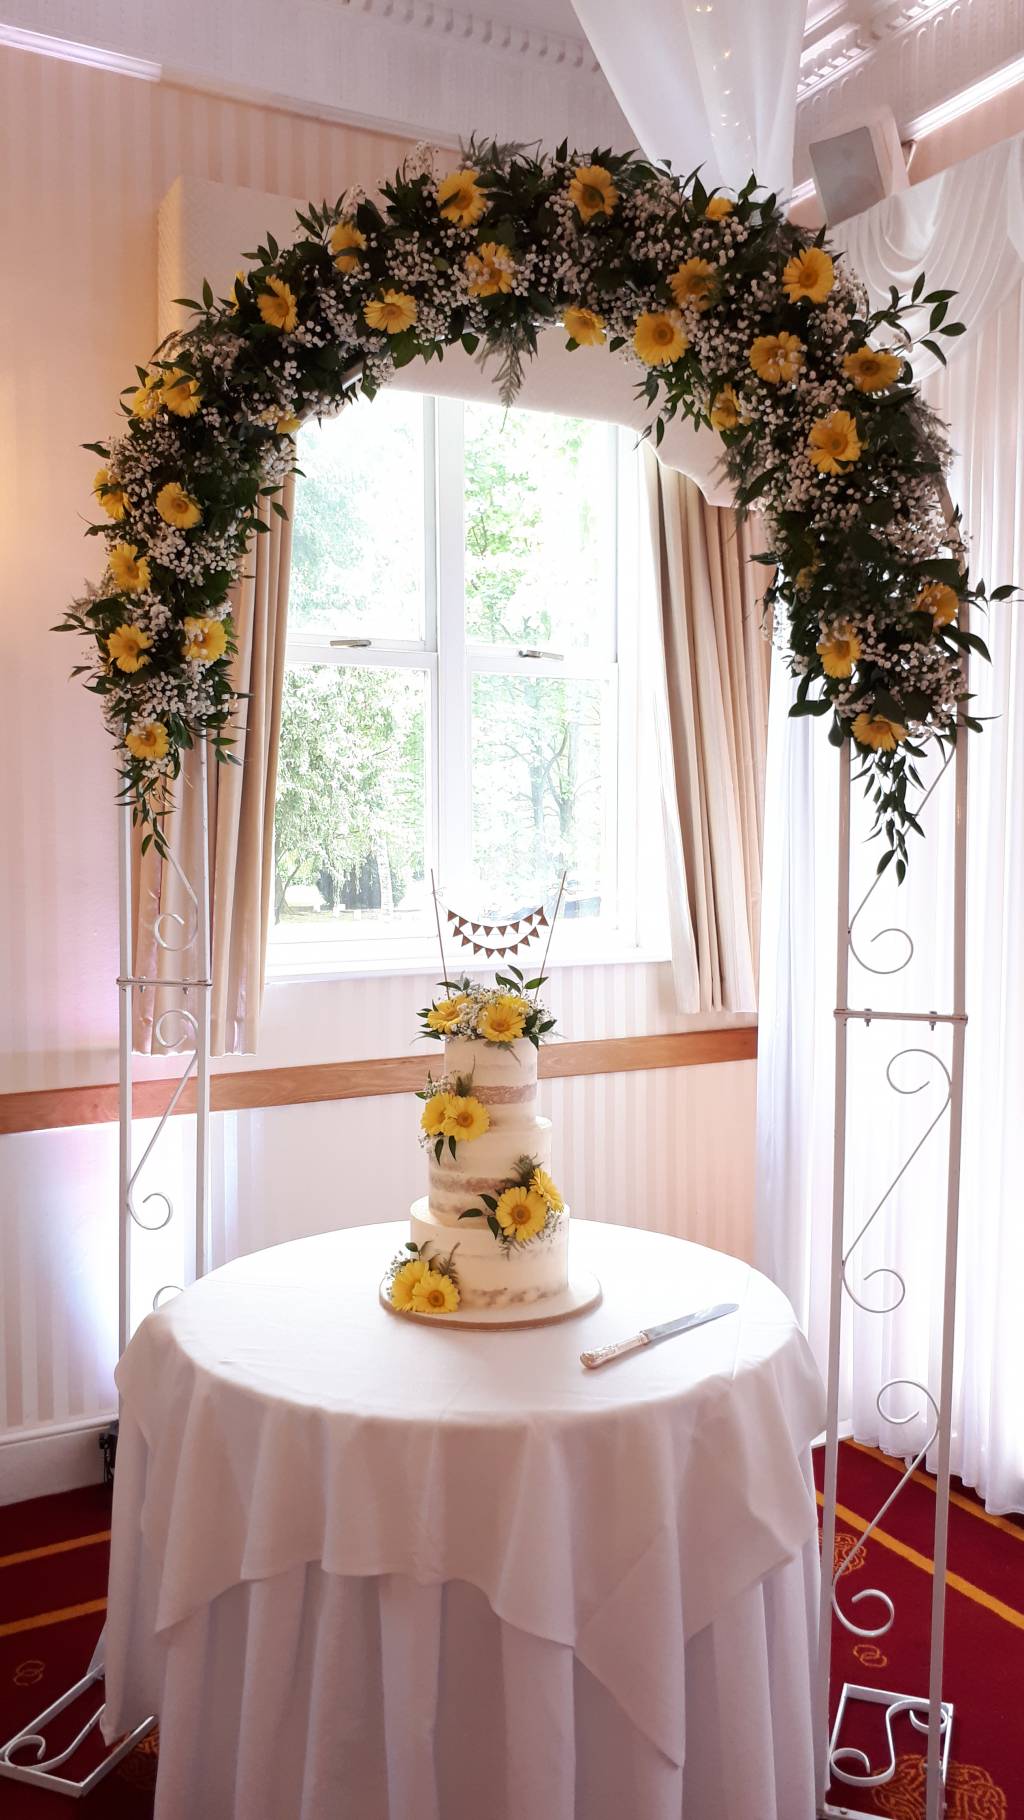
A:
x: 459, y: 689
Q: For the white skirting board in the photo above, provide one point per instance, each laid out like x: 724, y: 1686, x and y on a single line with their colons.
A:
x: 50, y: 1459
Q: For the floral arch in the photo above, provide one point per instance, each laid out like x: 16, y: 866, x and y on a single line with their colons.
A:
x: 731, y: 315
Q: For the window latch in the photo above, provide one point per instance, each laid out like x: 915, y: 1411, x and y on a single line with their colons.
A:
x: 528, y: 651
x: 351, y: 644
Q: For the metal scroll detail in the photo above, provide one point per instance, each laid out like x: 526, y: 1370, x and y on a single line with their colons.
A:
x: 874, y: 1592
x: 886, y: 1270
x: 902, y: 935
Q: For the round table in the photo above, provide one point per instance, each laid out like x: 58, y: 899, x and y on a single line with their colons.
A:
x: 365, y: 1566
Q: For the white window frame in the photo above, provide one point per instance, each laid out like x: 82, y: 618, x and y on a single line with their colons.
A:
x: 450, y: 662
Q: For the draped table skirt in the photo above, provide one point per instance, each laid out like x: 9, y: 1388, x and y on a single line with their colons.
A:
x: 362, y: 1568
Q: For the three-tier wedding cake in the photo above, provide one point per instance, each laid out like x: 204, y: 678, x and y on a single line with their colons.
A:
x: 492, y: 1231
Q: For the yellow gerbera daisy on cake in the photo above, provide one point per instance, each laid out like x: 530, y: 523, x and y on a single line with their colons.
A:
x: 659, y: 337
x: 833, y: 441
x: 809, y: 276
x: 129, y: 570
x: 434, y: 1294
x: 942, y: 602
x: 407, y: 1278
x: 490, y: 270
x: 176, y: 507
x: 872, y: 369
x: 718, y: 208
x: 392, y: 311
x: 522, y: 1213
x: 593, y: 191
x: 878, y: 732
x: 434, y: 1113
x: 111, y: 496
x: 127, y: 647
x: 502, y: 1019
x: 466, y: 1118
x: 278, y: 305
x: 694, y: 283
x: 541, y: 1183
x: 584, y: 327
x: 346, y: 243
x: 775, y: 358
x: 148, y: 741
x: 460, y: 198
x: 205, y: 640
x: 445, y: 1015
x: 181, y: 394
x: 839, y: 649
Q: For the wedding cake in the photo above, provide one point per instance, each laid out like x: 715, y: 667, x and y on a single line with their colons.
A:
x: 492, y: 1231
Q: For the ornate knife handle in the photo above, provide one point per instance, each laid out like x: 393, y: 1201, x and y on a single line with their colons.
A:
x: 603, y: 1353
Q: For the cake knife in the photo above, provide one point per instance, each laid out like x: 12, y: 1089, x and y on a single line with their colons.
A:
x: 648, y: 1336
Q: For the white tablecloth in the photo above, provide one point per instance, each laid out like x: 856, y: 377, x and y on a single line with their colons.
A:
x: 363, y: 1565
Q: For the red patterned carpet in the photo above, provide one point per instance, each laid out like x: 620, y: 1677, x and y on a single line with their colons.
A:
x: 53, y: 1564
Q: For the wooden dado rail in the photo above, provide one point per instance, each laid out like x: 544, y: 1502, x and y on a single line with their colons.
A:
x: 54, y: 1107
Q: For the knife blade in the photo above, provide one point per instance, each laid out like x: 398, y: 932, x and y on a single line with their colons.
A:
x: 649, y: 1336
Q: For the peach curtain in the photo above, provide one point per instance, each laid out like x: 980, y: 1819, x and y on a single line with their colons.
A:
x: 240, y: 799
x: 711, y: 711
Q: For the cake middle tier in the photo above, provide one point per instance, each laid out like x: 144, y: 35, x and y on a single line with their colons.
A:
x: 485, y: 1166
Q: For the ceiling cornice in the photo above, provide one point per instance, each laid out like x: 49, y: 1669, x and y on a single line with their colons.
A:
x: 482, y: 32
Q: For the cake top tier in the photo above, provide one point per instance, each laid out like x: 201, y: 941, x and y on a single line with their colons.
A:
x: 493, y: 1018
x: 507, y: 1075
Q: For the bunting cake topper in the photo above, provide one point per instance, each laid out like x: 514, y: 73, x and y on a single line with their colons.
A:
x: 497, y: 939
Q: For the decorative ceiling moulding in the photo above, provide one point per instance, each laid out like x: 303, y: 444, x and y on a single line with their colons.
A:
x: 502, y: 35
x: 916, y: 57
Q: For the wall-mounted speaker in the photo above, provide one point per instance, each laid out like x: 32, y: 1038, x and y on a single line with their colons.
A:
x: 858, y: 165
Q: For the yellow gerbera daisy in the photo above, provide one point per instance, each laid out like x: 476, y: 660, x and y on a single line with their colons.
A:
x: 347, y: 243
x: 288, y: 424
x: 694, y: 283
x: 181, y: 394
x: 445, y: 1015
x: 205, y: 640
x: 522, y: 1213
x: 466, y: 1118
x: 434, y: 1294
x: 129, y: 570
x: 659, y: 337
x: 718, y: 208
x: 839, y: 649
x: 876, y: 731
x: 278, y: 305
x: 111, y: 496
x: 593, y: 191
x: 148, y: 741
x: 584, y: 327
x: 501, y: 1020
x: 148, y: 398
x: 393, y: 311
x: 434, y: 1113
x: 804, y: 577
x: 176, y: 507
x: 872, y: 369
x: 833, y: 440
x: 406, y: 1278
x: 541, y: 1183
x: 127, y: 647
x: 942, y: 602
x: 725, y: 410
x: 775, y: 358
x: 809, y: 276
x: 460, y: 198
x: 490, y: 270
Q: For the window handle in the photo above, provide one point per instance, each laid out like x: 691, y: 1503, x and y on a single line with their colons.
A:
x: 351, y: 644
x: 528, y: 651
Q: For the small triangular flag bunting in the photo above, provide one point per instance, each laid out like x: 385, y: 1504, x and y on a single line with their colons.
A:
x: 488, y: 952
x: 475, y: 928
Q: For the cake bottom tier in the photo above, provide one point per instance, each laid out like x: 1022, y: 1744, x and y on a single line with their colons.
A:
x: 492, y: 1275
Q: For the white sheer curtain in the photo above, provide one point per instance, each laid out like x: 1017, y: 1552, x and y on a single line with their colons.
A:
x: 965, y: 229
x: 713, y: 85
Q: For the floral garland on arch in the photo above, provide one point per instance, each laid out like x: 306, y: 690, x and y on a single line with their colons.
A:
x: 731, y: 316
